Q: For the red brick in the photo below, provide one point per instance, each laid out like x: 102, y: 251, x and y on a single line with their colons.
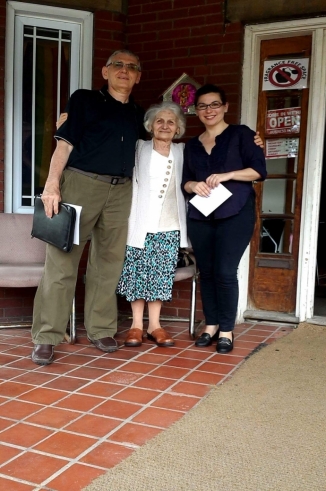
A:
x: 180, y: 3
x: 173, y: 53
x: 173, y: 73
x: 188, y: 63
x: 18, y: 312
x: 158, y: 26
x: 147, y: 58
x: 174, y: 34
x: 146, y: 36
x: 181, y: 303
x: 143, y: 18
x: 225, y: 58
x: 191, y: 41
x: 202, y: 70
x: 119, y: 36
x: 235, y: 47
x: 237, y: 27
x: 11, y: 302
x: 155, y: 63
x: 151, y: 75
x: 173, y: 312
x: 108, y: 25
x: 161, y: 45
x: 214, y: 14
x: 206, y: 30
x: 195, y: 22
x: 136, y: 48
x: 164, y: 6
x: 135, y: 28
x: 119, y: 17
x: 28, y: 301
x: 226, y: 68
x: 134, y: 10
x: 204, y: 50
x: 103, y: 15
x: 181, y: 13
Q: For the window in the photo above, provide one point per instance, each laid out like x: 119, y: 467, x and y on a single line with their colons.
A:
x: 48, y: 64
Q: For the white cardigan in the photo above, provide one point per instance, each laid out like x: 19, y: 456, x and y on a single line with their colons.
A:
x: 140, y: 194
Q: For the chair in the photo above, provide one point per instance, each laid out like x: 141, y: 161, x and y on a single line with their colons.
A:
x: 22, y: 258
x: 273, y: 229
x: 183, y: 274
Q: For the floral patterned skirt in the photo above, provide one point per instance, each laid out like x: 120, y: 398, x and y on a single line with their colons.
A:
x: 149, y: 273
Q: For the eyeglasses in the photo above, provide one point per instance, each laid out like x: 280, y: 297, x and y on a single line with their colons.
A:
x: 212, y: 105
x: 118, y: 65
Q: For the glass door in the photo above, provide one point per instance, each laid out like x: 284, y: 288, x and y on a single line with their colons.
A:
x: 282, y: 120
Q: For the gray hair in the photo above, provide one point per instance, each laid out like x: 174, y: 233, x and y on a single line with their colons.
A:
x: 165, y: 106
x: 125, y: 52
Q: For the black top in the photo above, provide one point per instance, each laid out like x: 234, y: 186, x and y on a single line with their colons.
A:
x: 103, y: 132
x: 234, y: 150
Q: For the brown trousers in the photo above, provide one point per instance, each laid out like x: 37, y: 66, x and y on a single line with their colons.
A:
x: 104, y: 217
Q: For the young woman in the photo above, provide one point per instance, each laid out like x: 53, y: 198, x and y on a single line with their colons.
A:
x: 226, y: 154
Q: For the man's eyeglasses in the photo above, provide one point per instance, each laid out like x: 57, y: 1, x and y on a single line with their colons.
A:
x: 212, y: 105
x: 118, y: 65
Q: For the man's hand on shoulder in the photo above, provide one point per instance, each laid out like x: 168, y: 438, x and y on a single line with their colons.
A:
x: 258, y: 140
x: 62, y: 118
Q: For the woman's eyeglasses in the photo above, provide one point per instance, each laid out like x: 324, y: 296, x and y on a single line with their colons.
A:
x: 118, y: 65
x: 212, y: 105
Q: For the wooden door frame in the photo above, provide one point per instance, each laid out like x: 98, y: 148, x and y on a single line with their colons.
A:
x: 314, y: 147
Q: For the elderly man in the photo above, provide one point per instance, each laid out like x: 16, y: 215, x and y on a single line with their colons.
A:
x: 91, y: 167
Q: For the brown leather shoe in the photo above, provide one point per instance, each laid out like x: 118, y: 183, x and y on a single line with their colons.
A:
x: 108, y: 345
x: 43, y: 354
x: 134, y: 337
x: 160, y: 337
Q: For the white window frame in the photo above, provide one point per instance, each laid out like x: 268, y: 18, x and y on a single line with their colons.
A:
x: 254, y: 34
x: 85, y: 22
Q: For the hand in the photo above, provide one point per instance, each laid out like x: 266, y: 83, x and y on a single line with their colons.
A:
x: 257, y: 139
x: 214, y: 179
x: 200, y: 188
x: 51, y: 198
x: 62, y: 118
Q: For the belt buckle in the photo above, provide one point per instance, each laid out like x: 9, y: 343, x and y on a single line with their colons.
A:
x: 114, y: 180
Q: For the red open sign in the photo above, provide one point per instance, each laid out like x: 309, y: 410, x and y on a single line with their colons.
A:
x: 285, y: 120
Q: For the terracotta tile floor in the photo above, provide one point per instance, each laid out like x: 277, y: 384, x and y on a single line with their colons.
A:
x: 63, y: 425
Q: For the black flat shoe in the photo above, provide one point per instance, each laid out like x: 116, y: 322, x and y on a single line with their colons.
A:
x: 224, y: 345
x: 206, y: 339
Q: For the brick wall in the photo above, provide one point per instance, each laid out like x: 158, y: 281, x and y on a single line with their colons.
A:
x: 172, y: 37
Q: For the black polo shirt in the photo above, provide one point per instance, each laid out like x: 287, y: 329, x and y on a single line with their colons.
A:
x: 103, y: 132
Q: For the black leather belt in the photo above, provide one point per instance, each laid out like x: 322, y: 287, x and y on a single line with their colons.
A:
x: 100, y: 177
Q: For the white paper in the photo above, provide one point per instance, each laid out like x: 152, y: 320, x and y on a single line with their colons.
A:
x: 214, y: 200
x: 76, y: 231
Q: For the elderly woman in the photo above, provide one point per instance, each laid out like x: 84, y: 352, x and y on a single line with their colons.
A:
x: 157, y: 223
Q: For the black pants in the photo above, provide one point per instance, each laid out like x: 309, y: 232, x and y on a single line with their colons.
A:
x: 218, y: 247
